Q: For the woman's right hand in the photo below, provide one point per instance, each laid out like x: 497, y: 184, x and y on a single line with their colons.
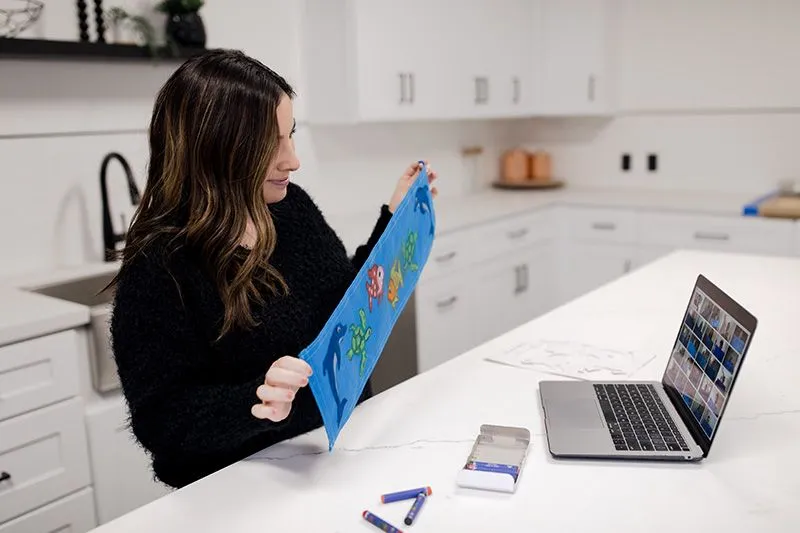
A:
x: 284, y: 378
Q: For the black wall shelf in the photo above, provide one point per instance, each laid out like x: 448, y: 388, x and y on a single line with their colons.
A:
x: 13, y: 48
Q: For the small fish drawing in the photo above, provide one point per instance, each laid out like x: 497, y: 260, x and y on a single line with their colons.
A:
x: 395, y: 282
x: 375, y: 284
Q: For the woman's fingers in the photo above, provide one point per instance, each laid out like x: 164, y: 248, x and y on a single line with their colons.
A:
x: 273, y: 412
x: 294, y: 364
x: 281, y: 377
x: 269, y: 393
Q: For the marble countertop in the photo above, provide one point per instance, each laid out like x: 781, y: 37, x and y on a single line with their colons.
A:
x: 420, y: 433
x: 24, y: 315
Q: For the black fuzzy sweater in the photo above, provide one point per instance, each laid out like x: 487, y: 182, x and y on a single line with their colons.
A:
x: 190, y: 397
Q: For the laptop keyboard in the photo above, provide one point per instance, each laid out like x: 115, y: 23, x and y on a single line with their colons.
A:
x: 637, y: 419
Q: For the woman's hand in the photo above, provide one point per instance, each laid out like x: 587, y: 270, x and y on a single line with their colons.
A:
x: 284, y: 378
x: 405, y: 182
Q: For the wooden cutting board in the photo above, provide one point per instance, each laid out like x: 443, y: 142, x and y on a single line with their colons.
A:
x: 781, y: 207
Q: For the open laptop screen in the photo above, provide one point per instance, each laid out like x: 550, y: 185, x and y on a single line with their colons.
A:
x: 706, y: 357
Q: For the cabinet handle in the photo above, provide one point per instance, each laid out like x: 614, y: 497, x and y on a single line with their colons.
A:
x: 517, y: 234
x: 515, y: 98
x: 411, y: 87
x: 521, y: 273
x: 445, y: 257
x: 591, y: 88
x: 705, y: 236
x: 402, y: 87
x: 477, y: 90
x: 606, y: 226
x: 446, y: 303
x: 485, y: 90
x: 627, y: 267
x: 4, y: 476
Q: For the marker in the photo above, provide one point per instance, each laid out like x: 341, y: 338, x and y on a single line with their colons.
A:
x: 405, y: 495
x: 379, y: 523
x: 412, y: 513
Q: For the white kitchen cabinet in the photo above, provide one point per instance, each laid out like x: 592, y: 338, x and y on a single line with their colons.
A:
x: 709, y: 55
x: 122, y: 477
x: 586, y: 266
x: 44, y: 455
x: 492, y: 58
x: 72, y: 514
x: 269, y: 32
x: 376, y: 60
x: 572, y: 57
x: 38, y: 372
x: 717, y: 233
x: 447, y: 318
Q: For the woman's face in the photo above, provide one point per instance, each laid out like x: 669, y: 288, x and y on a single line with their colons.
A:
x: 285, y: 160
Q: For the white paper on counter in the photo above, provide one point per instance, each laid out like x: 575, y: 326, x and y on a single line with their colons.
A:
x: 573, y: 359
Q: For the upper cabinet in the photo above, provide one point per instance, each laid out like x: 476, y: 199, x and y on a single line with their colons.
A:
x: 384, y: 60
x: 573, y: 56
x: 714, y: 55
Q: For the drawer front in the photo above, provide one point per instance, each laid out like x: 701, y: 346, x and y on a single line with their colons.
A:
x: 45, y: 456
x: 450, y: 253
x: 592, y: 224
x: 38, y: 372
x: 517, y: 233
x: 446, y: 320
x: 73, y: 514
x: 740, y: 234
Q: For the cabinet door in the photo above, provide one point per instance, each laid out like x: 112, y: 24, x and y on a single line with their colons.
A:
x: 573, y: 59
x: 797, y: 238
x: 43, y: 453
x: 689, y: 55
x: 72, y: 514
x: 447, y: 322
x: 123, y: 479
x: 515, y: 289
x: 587, y: 266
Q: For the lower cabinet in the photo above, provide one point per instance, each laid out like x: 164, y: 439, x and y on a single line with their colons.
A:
x: 122, y: 477
x: 43, y: 457
x: 586, y: 266
x: 488, y: 279
x: 73, y: 513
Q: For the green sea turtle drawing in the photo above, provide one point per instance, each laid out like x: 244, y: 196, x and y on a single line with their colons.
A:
x: 409, y: 246
x: 358, y: 343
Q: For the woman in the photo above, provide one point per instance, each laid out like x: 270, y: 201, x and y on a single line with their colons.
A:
x: 229, y: 271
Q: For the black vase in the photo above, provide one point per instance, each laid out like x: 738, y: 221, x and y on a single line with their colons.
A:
x: 187, y: 29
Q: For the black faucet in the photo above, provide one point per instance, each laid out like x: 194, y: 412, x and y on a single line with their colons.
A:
x: 110, y: 239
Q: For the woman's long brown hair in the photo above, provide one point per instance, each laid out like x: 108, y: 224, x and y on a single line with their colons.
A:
x: 213, y: 135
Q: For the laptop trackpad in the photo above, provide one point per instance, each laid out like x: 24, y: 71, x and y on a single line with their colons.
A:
x: 578, y: 413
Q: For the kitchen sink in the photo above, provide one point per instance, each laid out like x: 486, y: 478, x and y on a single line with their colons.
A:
x: 89, y: 291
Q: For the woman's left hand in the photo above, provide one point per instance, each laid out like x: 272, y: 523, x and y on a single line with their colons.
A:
x: 405, y: 182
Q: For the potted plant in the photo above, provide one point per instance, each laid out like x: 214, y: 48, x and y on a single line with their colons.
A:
x: 184, y: 25
x: 120, y: 20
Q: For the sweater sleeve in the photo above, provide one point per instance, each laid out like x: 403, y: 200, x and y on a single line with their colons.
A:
x: 363, y: 251
x: 175, y: 408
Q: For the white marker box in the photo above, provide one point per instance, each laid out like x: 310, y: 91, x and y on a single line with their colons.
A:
x: 496, y: 460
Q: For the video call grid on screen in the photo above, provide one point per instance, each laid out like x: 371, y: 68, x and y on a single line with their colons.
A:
x: 705, y: 359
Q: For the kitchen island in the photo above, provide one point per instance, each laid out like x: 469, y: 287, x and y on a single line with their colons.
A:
x: 420, y: 433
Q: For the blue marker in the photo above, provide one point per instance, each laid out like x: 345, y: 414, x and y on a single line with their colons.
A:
x: 405, y: 495
x: 412, y: 513
x: 379, y: 523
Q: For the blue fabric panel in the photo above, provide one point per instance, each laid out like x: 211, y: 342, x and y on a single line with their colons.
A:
x: 344, y: 354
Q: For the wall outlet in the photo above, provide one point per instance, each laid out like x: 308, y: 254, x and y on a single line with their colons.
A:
x: 652, y: 162
x: 625, y: 162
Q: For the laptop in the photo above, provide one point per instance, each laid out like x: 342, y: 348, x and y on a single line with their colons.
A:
x: 674, y: 419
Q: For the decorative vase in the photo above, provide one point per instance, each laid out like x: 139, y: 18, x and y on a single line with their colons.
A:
x: 187, y: 29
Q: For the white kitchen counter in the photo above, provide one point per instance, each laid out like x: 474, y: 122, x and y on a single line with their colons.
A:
x: 420, y: 432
